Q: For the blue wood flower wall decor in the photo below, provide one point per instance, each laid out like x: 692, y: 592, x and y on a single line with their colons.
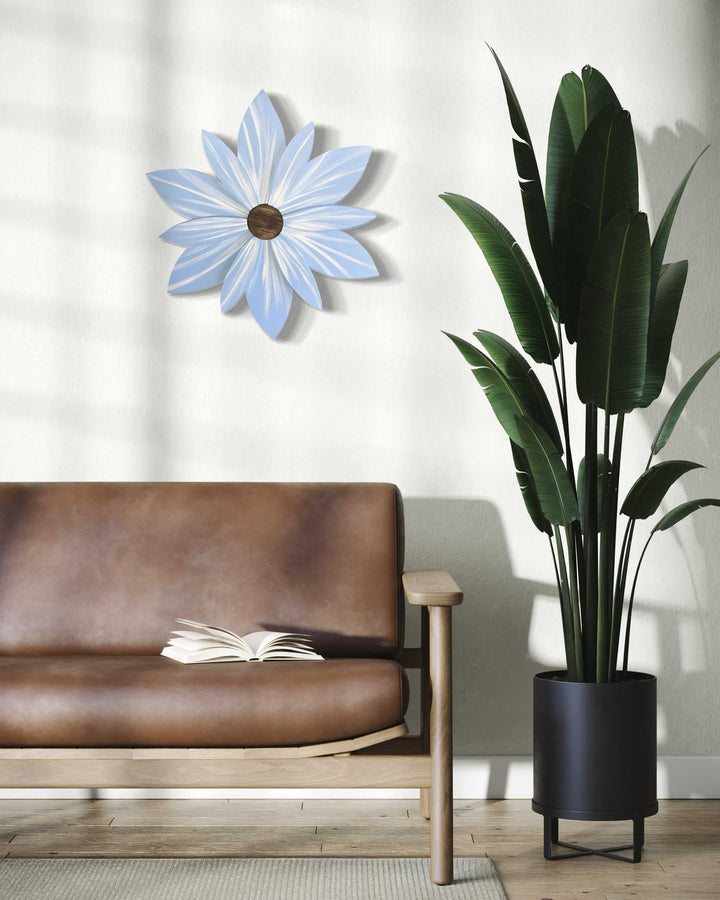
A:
x: 267, y: 219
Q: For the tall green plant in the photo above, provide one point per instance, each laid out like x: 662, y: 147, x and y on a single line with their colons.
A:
x: 604, y: 287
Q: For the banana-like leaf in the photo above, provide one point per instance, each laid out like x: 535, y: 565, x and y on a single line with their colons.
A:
x: 524, y: 381
x: 567, y: 126
x: 604, y: 181
x: 660, y: 240
x: 680, y: 512
x: 521, y: 291
x: 506, y: 402
x: 552, y: 308
x: 603, y: 473
x: 531, y: 189
x: 614, y: 314
x: 577, y: 102
x: 678, y: 405
x: 598, y: 93
x: 648, y: 492
x: 470, y: 352
x: 528, y: 489
x: 552, y: 482
x: 664, y: 306
x: 510, y: 385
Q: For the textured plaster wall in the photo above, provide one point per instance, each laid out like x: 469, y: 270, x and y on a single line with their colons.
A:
x: 105, y: 376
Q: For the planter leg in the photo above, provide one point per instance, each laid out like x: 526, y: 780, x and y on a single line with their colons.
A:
x: 550, y: 835
x: 638, y: 838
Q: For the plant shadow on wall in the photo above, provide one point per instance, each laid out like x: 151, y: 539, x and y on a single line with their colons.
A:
x: 688, y: 628
x: 493, y: 668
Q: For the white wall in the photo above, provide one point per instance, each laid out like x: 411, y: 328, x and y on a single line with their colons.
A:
x: 105, y: 376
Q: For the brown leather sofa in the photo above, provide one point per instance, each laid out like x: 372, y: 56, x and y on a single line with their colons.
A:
x: 92, y: 577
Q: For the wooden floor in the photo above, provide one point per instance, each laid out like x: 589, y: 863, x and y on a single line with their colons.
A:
x: 681, y: 859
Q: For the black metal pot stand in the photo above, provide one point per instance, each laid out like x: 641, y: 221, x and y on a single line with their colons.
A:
x: 551, y: 837
x: 595, y: 752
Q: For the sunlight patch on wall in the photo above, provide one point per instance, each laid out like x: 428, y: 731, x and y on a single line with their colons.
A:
x: 692, y: 651
x: 545, y: 640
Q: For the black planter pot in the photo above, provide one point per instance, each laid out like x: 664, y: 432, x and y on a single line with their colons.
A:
x: 595, y: 755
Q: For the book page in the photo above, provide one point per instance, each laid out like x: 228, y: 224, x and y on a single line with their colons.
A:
x: 289, y: 652
x: 216, y: 654
x: 210, y: 643
x: 193, y: 645
x: 225, y: 636
x: 260, y: 641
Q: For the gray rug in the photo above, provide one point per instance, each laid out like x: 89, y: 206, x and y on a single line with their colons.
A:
x: 243, y: 879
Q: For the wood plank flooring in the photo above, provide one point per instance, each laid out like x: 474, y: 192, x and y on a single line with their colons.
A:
x: 681, y: 859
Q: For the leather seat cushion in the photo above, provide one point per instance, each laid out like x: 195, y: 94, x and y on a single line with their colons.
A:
x: 151, y: 701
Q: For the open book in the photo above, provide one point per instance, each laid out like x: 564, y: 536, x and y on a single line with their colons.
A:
x: 209, y: 643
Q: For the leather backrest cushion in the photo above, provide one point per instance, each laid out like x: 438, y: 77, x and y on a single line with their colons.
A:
x: 106, y: 568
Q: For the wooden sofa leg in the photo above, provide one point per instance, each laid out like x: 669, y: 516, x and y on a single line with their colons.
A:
x: 425, y: 803
x: 441, y: 824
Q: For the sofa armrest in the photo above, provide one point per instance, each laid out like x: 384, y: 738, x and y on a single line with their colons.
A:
x: 431, y: 587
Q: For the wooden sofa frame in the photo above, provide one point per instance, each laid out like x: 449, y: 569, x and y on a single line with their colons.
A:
x: 421, y: 761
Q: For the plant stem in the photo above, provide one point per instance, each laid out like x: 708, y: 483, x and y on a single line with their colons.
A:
x: 564, y: 409
x: 630, y: 605
x: 601, y: 667
x: 612, y: 534
x: 568, y: 578
x: 620, y: 584
x: 565, y: 609
x: 575, y: 605
x: 624, y: 555
x: 578, y: 556
x: 591, y: 543
x: 555, y: 563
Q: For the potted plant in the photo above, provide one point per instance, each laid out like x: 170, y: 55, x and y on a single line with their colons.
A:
x: 606, y: 290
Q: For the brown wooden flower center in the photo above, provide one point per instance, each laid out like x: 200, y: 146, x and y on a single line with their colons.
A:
x: 265, y: 222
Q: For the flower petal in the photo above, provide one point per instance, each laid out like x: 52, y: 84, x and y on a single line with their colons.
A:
x: 203, y: 266
x: 322, y: 218
x: 291, y: 163
x: 268, y: 294
x: 295, y: 272
x: 328, y: 178
x: 230, y: 171
x: 238, y: 278
x: 194, y: 193
x: 261, y: 141
x: 333, y: 253
x: 205, y: 230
